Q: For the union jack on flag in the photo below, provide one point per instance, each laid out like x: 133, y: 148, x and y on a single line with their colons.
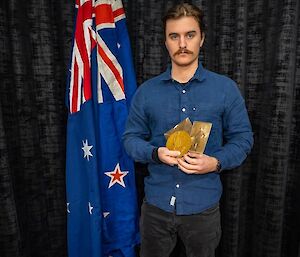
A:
x: 101, y: 194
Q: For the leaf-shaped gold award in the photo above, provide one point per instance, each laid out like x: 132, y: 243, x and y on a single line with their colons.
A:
x: 200, y: 133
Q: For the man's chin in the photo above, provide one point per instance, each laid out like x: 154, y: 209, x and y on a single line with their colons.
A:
x: 183, y: 63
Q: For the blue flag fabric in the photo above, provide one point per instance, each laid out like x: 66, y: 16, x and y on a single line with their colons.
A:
x: 101, y: 194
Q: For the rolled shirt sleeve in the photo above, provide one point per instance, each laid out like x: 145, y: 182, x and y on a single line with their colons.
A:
x: 237, y: 131
x: 137, y: 132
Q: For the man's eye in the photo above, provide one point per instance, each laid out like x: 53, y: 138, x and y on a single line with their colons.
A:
x: 173, y: 37
x: 190, y: 35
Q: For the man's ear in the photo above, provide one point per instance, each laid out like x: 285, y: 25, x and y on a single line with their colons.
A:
x: 202, y: 39
x: 166, y: 44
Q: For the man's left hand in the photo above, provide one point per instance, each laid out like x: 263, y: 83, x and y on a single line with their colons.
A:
x: 196, y: 163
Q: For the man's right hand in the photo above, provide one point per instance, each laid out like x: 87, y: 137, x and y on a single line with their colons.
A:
x: 167, y: 156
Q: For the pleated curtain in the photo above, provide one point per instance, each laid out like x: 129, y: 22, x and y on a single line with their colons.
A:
x: 254, y: 42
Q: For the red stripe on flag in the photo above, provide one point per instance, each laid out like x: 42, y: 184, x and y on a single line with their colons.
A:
x: 75, y: 88
x: 111, y: 66
x: 84, y: 13
x: 93, y: 41
x: 104, y: 14
x: 118, y: 12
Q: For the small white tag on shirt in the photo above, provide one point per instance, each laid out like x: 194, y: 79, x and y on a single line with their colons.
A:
x: 172, y: 201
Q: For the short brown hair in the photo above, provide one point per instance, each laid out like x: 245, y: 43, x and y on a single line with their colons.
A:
x: 185, y: 10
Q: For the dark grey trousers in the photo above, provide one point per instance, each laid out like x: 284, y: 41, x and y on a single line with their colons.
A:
x: 200, y: 233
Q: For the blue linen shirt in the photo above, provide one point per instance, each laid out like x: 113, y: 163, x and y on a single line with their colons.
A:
x: 157, y: 106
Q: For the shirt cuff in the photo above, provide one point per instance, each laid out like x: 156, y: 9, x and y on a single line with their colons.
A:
x: 221, y: 161
x: 219, y: 166
x: 155, y: 157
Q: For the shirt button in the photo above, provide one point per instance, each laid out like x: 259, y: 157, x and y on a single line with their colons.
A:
x: 194, y: 108
x: 183, y: 91
x: 177, y: 185
x: 183, y: 109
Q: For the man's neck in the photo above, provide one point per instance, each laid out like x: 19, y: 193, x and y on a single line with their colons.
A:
x: 183, y: 74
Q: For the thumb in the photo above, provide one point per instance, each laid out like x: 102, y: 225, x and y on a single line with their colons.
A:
x: 174, y: 153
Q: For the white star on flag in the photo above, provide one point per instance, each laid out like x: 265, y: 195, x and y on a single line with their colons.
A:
x: 87, y: 150
x: 90, y: 208
x: 116, y: 176
x: 105, y: 214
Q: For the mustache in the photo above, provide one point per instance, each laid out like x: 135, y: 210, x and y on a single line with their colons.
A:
x: 183, y: 51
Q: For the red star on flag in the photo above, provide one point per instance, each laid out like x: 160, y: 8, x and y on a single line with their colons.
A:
x: 116, y: 176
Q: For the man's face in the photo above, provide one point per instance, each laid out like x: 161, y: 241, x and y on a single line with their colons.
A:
x: 183, y: 41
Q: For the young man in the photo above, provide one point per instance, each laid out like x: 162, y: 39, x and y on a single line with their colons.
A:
x: 182, y: 194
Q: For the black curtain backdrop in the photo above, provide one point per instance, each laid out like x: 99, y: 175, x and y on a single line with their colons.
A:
x: 255, y: 42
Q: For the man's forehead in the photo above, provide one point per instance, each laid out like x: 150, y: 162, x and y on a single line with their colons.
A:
x: 182, y: 25
x: 170, y: 32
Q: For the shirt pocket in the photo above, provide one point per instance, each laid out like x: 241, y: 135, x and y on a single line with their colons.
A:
x: 213, y: 114
x: 207, y: 113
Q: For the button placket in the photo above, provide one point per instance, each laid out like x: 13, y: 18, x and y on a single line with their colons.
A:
x: 184, y: 102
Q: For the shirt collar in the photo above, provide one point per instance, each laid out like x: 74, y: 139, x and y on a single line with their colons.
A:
x: 199, y: 75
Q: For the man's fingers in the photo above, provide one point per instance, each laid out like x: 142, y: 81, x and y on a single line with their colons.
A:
x: 167, y: 156
x: 190, y: 160
x: 186, y: 165
x: 184, y: 169
x: 194, y: 154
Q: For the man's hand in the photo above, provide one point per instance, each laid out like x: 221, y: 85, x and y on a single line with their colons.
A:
x: 195, y: 163
x: 167, y: 156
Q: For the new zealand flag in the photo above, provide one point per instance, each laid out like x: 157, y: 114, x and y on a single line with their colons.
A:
x: 101, y: 194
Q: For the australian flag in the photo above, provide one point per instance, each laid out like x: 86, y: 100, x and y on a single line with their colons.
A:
x: 101, y: 195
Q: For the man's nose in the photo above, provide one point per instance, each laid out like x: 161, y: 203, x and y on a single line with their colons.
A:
x: 182, y: 42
